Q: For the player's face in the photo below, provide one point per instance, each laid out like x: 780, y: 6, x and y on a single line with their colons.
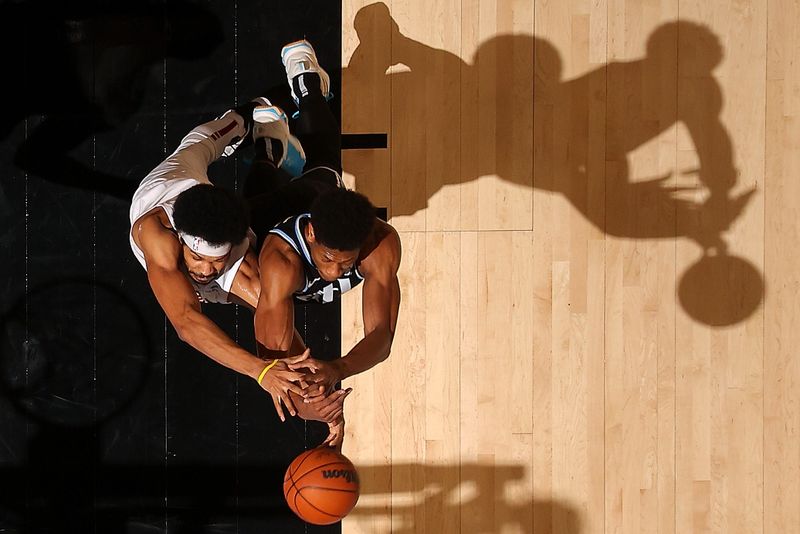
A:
x: 332, y: 263
x: 203, y: 269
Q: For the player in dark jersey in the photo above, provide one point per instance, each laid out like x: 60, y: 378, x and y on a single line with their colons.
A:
x: 317, y: 239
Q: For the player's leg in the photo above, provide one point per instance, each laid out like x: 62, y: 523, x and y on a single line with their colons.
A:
x: 268, y: 187
x: 203, y: 145
x: 317, y: 128
x: 270, y: 133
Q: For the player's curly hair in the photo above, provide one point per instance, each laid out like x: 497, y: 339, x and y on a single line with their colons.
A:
x: 213, y: 213
x: 342, y: 219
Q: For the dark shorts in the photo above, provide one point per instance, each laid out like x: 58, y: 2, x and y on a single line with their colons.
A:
x: 291, y: 198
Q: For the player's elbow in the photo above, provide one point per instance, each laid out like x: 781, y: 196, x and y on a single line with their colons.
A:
x: 184, y: 329
x: 184, y: 333
x: 389, y: 337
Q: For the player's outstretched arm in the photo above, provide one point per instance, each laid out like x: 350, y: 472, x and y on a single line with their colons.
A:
x: 380, y: 307
x: 274, y: 317
x: 181, y: 306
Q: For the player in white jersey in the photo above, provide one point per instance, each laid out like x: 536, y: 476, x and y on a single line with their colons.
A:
x: 193, y: 240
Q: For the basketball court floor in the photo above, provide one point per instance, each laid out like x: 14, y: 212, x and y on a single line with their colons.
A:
x: 597, y: 203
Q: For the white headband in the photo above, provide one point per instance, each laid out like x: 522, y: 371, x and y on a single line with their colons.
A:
x: 201, y: 246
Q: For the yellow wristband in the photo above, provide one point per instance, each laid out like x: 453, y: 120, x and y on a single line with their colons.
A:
x: 264, y: 372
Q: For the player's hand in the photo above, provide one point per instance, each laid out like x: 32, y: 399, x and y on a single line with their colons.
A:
x: 335, y: 434
x: 322, y: 380
x: 302, y: 361
x: 280, y: 380
x: 328, y: 409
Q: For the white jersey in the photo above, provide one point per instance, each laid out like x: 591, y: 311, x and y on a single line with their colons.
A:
x: 185, y: 168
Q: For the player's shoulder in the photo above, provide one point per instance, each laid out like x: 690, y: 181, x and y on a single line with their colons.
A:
x: 386, y: 238
x: 279, y: 262
x: 152, y: 222
x: 383, y: 249
x: 154, y: 235
x: 277, y: 250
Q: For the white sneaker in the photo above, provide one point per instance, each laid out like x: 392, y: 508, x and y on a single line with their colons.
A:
x: 299, y: 57
x: 270, y: 121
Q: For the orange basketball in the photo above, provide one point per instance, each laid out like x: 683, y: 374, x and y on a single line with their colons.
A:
x: 321, y: 486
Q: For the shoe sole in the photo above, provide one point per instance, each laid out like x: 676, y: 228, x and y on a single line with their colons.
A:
x: 297, y: 44
x: 270, y: 114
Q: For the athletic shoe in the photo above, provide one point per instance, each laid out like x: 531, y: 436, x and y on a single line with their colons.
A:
x: 270, y: 121
x: 298, y: 58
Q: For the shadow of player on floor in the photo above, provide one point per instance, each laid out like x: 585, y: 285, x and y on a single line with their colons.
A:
x: 475, y: 498
x: 536, y: 129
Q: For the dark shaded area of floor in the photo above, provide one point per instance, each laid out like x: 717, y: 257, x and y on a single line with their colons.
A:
x: 108, y: 422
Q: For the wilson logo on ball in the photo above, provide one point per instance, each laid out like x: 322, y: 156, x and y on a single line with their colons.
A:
x: 349, y: 476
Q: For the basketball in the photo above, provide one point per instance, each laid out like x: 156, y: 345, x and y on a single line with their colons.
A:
x: 321, y: 486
